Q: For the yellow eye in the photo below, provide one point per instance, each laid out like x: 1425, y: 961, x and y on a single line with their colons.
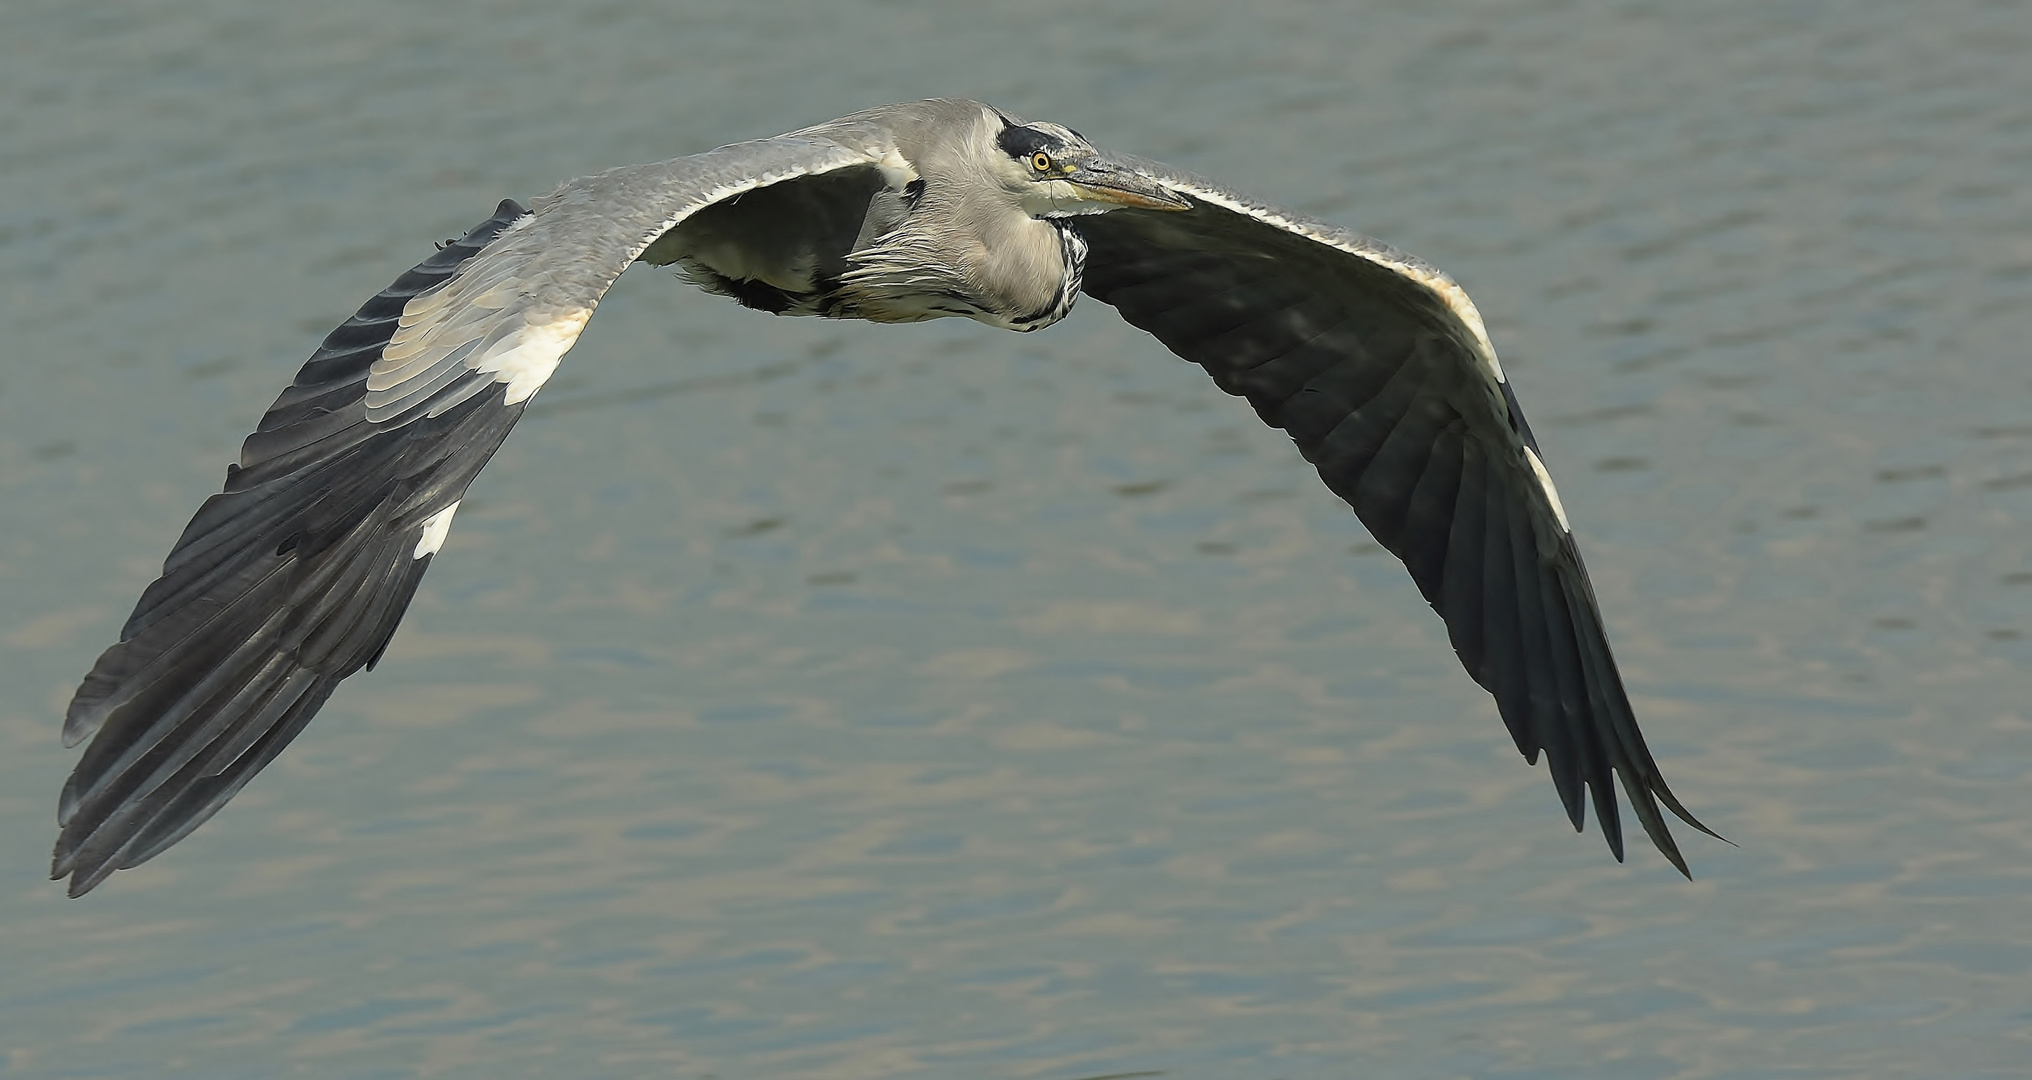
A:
x: 1040, y: 161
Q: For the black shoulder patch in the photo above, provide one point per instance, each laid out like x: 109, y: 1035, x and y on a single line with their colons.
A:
x: 1021, y: 142
x: 759, y: 295
x: 913, y: 193
x: 1517, y: 422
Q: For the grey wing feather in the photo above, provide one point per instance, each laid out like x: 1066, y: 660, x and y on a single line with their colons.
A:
x: 1379, y: 369
x: 296, y: 575
x: 519, y: 305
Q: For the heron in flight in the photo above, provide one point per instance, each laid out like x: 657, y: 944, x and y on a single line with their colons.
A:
x: 1374, y: 363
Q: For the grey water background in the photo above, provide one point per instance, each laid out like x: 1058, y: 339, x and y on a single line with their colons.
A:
x: 801, y: 700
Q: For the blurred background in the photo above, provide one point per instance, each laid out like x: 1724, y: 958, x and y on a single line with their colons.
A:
x: 801, y: 700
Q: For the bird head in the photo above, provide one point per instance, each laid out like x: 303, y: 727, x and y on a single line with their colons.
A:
x: 1057, y: 173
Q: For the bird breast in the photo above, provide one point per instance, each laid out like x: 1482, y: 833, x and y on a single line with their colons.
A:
x: 1017, y: 272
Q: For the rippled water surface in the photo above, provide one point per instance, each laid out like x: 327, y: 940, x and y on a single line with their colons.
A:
x: 798, y: 700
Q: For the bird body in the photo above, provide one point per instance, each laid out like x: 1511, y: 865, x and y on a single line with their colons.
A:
x: 296, y: 575
x: 904, y: 240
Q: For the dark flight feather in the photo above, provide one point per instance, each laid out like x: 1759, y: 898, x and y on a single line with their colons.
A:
x: 1378, y: 382
x: 292, y: 578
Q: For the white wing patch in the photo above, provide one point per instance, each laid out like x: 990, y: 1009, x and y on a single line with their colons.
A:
x: 526, y: 359
x: 439, y: 525
x: 1551, y: 493
x: 1489, y: 361
x: 515, y: 309
x: 896, y: 169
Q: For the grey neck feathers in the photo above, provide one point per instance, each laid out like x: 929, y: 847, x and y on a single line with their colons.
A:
x: 980, y: 257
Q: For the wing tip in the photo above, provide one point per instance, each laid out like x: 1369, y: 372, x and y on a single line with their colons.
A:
x: 1657, y: 793
x: 84, y: 876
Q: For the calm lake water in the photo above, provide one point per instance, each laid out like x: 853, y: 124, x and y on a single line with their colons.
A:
x: 798, y: 700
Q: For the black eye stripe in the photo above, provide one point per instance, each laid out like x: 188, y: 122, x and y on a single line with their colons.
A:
x: 1021, y: 142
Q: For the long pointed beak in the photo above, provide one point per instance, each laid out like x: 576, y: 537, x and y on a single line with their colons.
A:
x: 1104, y: 181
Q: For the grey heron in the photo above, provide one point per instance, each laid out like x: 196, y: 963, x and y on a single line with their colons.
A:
x: 1375, y: 364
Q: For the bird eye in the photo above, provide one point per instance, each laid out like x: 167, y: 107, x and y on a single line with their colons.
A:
x: 1040, y: 161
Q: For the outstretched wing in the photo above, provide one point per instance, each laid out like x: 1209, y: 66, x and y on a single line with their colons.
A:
x: 296, y: 575
x: 1378, y: 367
